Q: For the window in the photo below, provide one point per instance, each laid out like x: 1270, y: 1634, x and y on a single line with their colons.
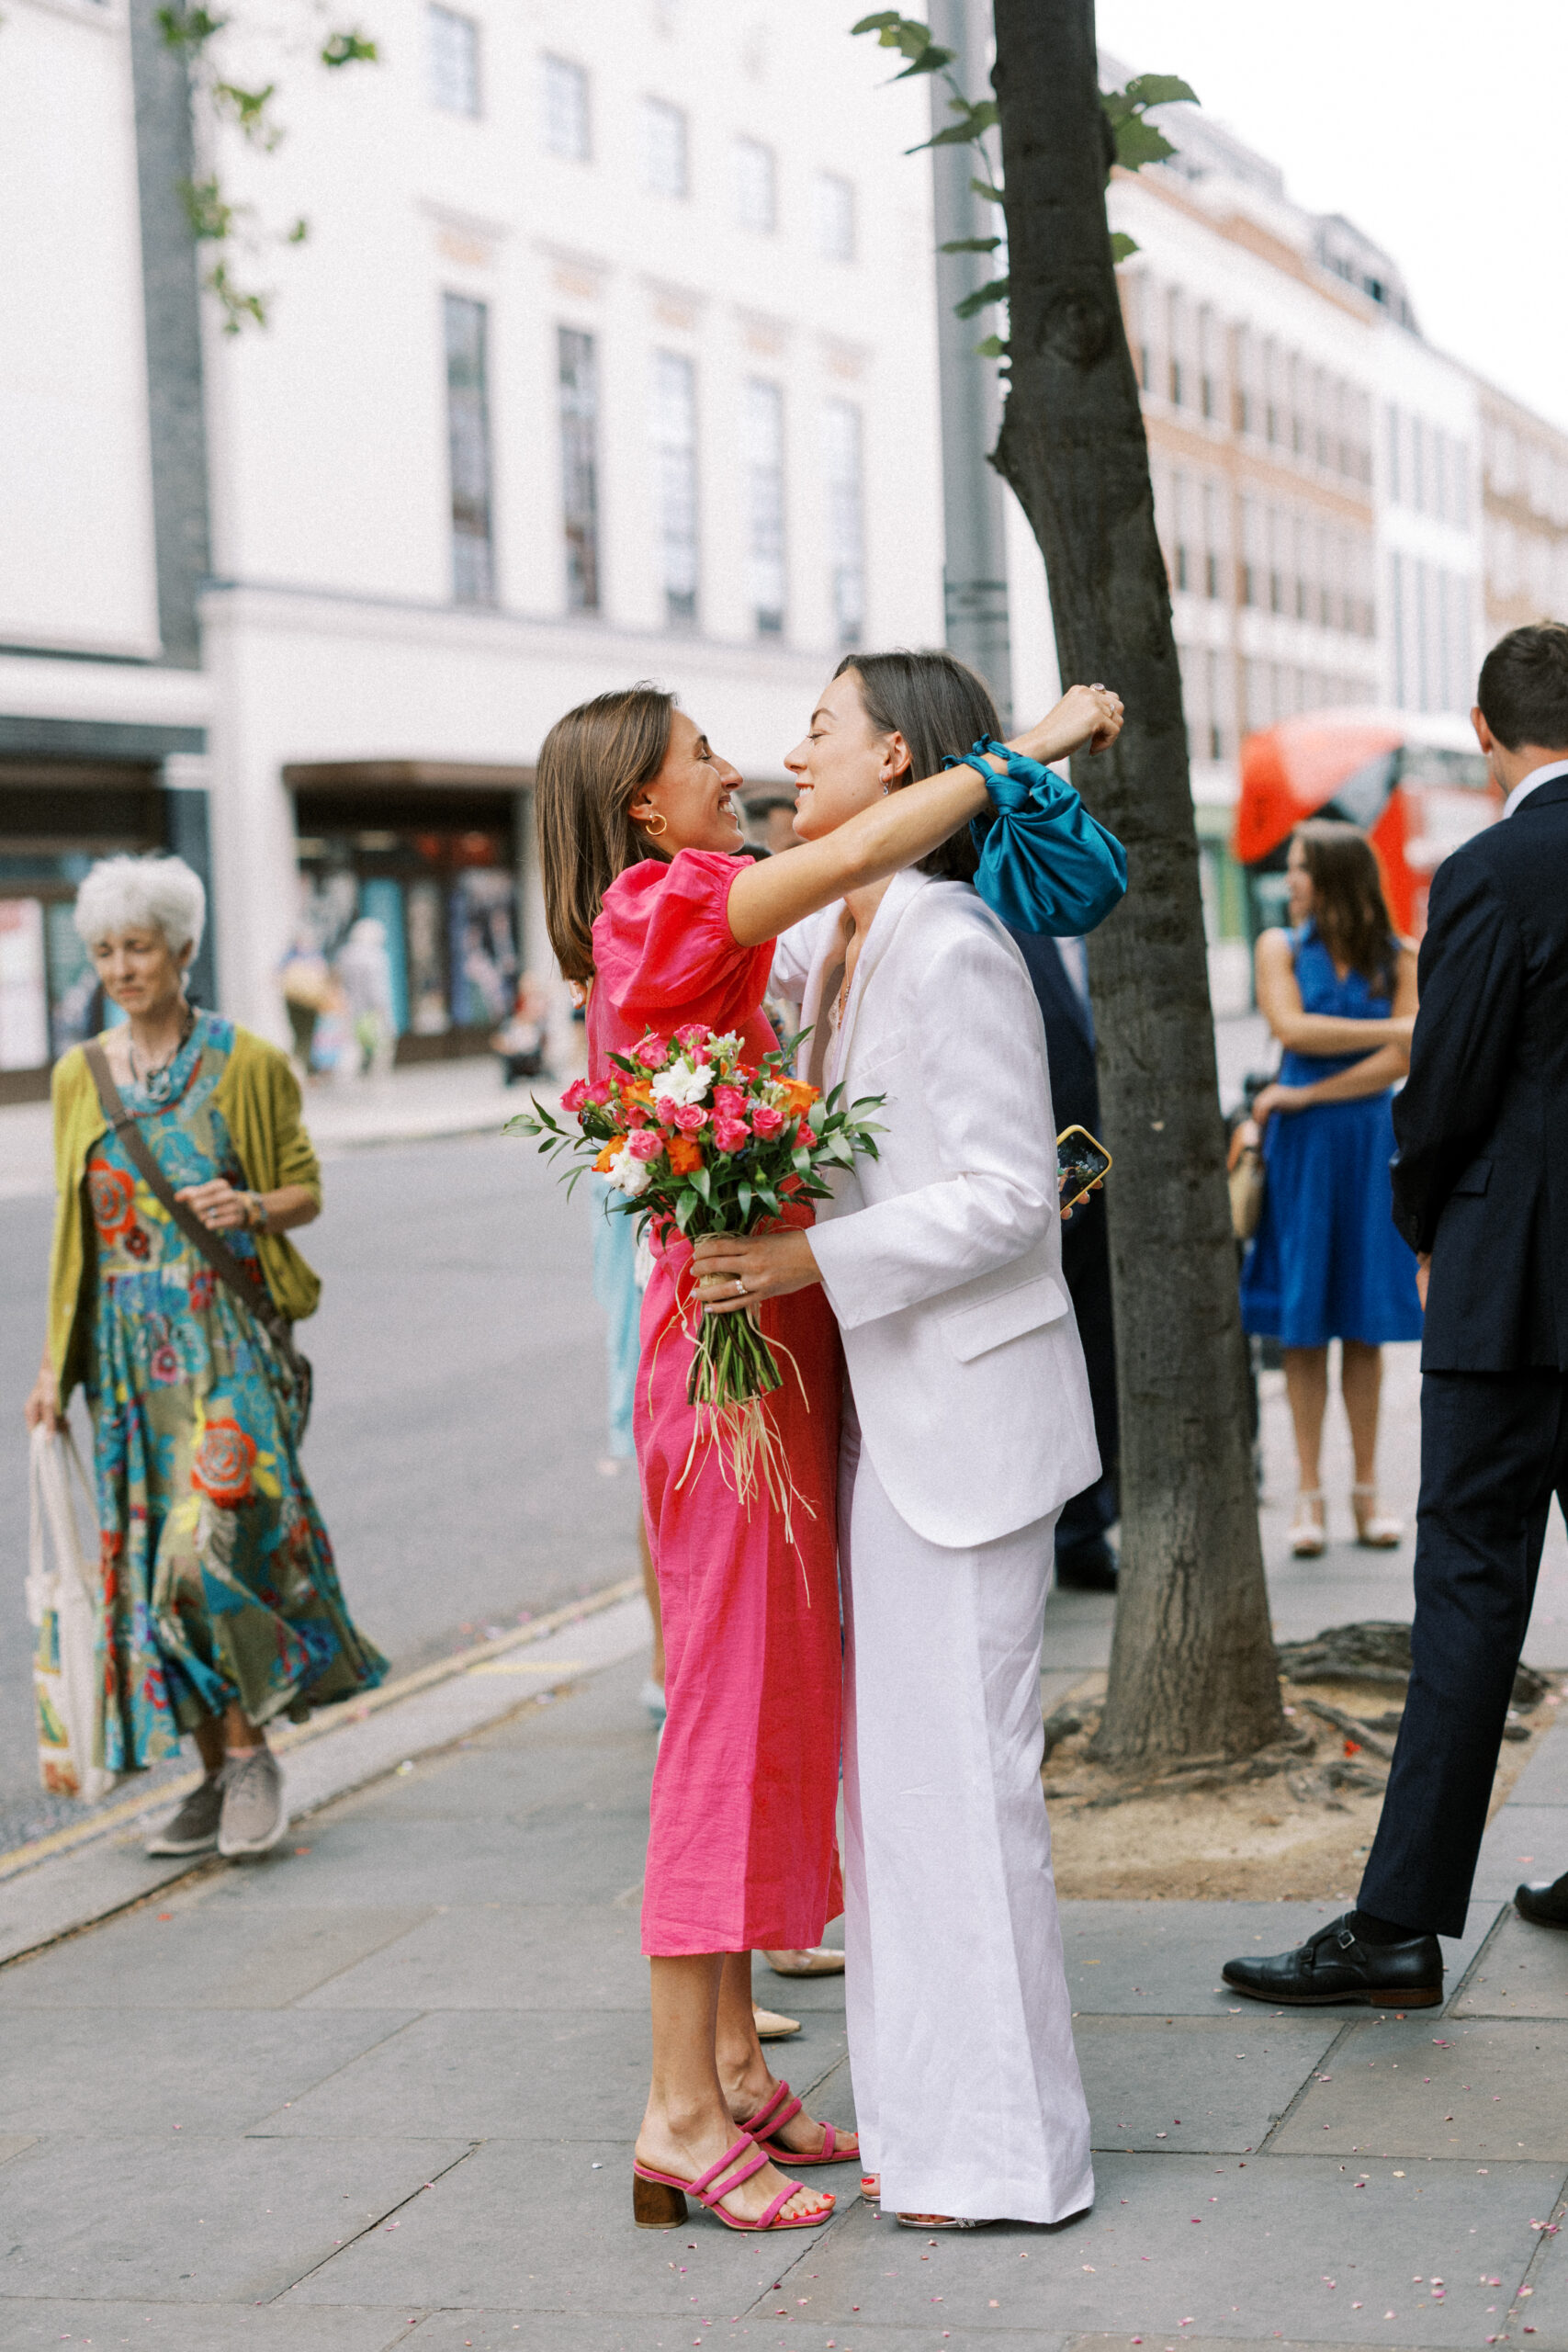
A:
x: 664, y: 147
x: 1211, y: 542
x: 756, y: 186
x: 579, y: 373
x: 454, y: 62
x: 846, y: 518
x: 467, y: 435
x: 765, y: 458
x: 676, y: 478
x: 566, y: 109
x: 1208, y: 387
x: 1251, y: 552
x: 835, y: 216
x: 1175, y: 337
x: 1216, y: 705
x: 1182, y: 503
x: 1393, y: 435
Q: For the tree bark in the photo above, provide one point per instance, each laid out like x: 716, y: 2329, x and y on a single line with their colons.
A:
x: 1192, y: 1667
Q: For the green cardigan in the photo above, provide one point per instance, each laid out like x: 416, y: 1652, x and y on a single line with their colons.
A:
x: 259, y: 1097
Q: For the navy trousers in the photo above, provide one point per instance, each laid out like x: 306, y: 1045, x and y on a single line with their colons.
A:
x: 1493, y: 1450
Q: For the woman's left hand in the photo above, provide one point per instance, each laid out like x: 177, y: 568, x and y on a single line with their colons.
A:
x: 734, y: 1269
x: 1276, y: 1098
x: 221, y: 1208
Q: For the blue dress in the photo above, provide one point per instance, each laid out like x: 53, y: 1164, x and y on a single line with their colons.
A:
x: 1326, y: 1262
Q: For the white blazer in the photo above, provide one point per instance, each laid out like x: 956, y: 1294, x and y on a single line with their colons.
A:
x: 942, y: 1259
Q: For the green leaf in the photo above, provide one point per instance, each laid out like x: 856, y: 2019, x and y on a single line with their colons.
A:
x: 300, y: 231
x: 187, y: 28
x: 881, y: 22
x: 685, y: 1210
x: 993, y: 347
x: 1138, y: 142
x: 209, y: 213
x: 970, y: 245
x: 973, y: 123
x: 1122, y: 246
x: 349, y: 49
x: 1161, y: 90
x: 744, y: 1196
x: 930, y: 60
x: 248, y: 109
x: 984, y: 188
x: 982, y: 298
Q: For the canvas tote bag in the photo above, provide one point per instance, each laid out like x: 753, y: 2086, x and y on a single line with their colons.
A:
x: 62, y: 1587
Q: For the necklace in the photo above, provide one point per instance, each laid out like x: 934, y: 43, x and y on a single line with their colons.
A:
x: 157, y: 1079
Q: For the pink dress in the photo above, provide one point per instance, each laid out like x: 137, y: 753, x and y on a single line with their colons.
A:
x: 741, y: 1852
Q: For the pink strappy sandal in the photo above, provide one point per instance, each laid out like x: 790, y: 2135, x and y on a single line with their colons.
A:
x: 659, y: 2199
x: 781, y: 2108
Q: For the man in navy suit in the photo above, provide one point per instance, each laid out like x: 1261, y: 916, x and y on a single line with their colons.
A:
x: 1481, y: 1193
x: 1085, y: 1557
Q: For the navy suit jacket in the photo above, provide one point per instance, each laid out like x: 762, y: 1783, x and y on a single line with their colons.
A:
x: 1481, y: 1175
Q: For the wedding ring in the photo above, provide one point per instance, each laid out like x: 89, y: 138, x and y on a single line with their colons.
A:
x: 740, y: 1285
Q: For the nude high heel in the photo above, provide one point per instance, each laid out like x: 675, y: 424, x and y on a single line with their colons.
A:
x: 1308, y: 1538
x: 1373, y: 1531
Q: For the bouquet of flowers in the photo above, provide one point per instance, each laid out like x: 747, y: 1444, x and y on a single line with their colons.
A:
x: 695, y: 1137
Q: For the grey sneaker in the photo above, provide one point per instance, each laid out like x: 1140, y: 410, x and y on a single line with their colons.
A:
x: 194, y: 1829
x: 255, y: 1816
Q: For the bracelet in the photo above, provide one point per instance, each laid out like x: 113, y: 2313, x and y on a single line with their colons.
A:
x: 257, y: 1219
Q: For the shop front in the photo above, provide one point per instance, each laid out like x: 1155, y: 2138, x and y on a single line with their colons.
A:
x: 424, y: 856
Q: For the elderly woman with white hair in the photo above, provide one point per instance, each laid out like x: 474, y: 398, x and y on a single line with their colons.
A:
x: 222, y: 1609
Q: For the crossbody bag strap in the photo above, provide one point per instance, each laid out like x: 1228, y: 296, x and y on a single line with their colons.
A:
x: 219, y: 1256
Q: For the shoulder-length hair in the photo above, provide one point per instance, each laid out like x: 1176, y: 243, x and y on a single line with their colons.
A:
x: 592, y: 766
x: 939, y: 706
x: 1348, y: 903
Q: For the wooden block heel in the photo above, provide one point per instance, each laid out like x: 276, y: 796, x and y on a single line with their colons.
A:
x: 656, y: 2206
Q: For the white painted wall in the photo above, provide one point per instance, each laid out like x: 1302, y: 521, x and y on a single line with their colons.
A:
x: 76, y: 562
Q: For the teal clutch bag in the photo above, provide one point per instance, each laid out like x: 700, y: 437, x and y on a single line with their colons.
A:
x: 1046, y: 864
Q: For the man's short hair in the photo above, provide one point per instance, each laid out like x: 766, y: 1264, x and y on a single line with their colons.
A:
x: 1524, y: 687
x: 759, y: 804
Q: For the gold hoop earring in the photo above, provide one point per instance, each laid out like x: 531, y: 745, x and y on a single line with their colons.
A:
x: 655, y: 824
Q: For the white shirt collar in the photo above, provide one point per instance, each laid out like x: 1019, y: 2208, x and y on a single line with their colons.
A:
x: 1526, y: 784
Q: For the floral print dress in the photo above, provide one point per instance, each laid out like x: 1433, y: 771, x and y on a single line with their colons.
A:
x: 218, y: 1576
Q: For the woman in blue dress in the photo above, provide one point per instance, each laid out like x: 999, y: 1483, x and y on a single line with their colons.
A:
x: 1338, y: 991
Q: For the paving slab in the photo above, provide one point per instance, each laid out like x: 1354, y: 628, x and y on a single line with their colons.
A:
x: 1481, y: 2091
x: 753, y: 2331
x: 565, y: 1855
x: 1238, y: 2248
x: 503, y: 1956
x: 1522, y: 1972
x: 548, y: 2229
x: 1194, y: 2083
x: 44, y: 2325
x: 215, y: 1946
x: 1544, y: 1780
x: 200, y: 2218
x: 1164, y: 1958
x: 162, y: 2075
x: 1524, y: 1841
x: 1541, y: 2303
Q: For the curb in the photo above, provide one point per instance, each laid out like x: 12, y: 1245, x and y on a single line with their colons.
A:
x: 76, y: 1876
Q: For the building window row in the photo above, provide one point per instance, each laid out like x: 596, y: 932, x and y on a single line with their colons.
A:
x: 1191, y: 359
x: 1276, y: 690
x: 664, y: 158
x: 1429, y: 635
x: 1295, y: 563
x: 673, y: 448
x: 1529, y: 566
x: 1528, y: 468
x: 1428, y: 470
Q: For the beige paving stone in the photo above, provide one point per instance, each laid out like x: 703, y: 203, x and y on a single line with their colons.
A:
x: 1523, y: 1972
x: 1480, y: 2092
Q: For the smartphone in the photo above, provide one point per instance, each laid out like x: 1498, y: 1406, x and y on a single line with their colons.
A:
x: 1080, y: 1162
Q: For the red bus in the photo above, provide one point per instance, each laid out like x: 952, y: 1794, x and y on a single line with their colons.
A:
x: 1417, y: 787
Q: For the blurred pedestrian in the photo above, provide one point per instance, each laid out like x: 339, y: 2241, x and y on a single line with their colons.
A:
x: 1338, y: 991
x: 520, y: 1039
x: 222, y: 1609
x: 1481, y: 1191
x: 365, y: 973
x: 771, y: 816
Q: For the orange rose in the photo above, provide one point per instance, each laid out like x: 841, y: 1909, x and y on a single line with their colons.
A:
x: 639, y: 1090
x: 798, y: 1096
x: 684, y: 1154
x: 602, y: 1165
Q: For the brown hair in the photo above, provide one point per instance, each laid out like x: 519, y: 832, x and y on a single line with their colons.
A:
x: 1524, y: 686
x: 939, y: 706
x: 592, y: 766
x: 1348, y: 903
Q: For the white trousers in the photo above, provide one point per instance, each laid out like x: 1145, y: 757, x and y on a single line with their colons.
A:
x: 966, y: 2083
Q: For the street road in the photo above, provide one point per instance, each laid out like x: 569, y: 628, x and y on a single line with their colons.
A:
x: 458, y: 1422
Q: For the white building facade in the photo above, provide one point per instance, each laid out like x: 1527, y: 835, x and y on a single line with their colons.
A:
x: 608, y: 355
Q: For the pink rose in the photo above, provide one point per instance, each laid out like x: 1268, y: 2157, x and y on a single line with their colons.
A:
x: 637, y: 1114
x: 653, y: 1053
x: 576, y: 1095
x: 664, y: 1110
x: 729, y: 1101
x: 730, y: 1135
x: 767, y: 1122
x: 644, y: 1144
x: 694, y: 1034
x: 691, y: 1117
x: 598, y: 1094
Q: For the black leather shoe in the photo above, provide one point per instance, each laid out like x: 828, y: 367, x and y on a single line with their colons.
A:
x: 1092, y: 1567
x: 1335, y: 1965
x: 1546, y: 1905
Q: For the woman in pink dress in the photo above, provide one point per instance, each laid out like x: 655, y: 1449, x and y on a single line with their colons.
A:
x: 650, y: 908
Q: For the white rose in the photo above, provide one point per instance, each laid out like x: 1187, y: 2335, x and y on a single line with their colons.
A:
x: 628, y: 1175
x: 682, y: 1083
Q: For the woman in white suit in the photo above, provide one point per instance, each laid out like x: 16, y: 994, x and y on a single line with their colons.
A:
x: 967, y: 1426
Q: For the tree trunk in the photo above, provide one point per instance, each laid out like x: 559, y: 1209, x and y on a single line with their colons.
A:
x: 1192, y: 1667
